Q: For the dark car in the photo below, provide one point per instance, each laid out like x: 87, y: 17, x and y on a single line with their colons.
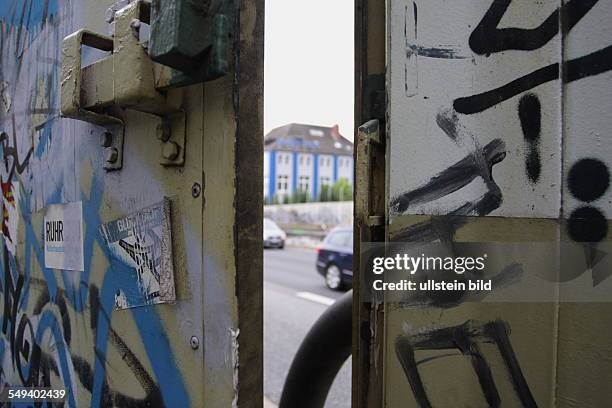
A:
x: 335, y: 258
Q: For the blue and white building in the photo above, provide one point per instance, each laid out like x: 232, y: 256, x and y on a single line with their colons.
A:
x: 305, y: 157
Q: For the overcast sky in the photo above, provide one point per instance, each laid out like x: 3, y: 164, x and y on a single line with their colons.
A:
x: 309, y: 63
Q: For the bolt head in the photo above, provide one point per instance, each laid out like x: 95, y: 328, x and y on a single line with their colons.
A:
x: 106, y: 139
x: 111, y: 154
x: 195, y: 342
x: 163, y: 132
x: 196, y: 189
x: 170, y: 150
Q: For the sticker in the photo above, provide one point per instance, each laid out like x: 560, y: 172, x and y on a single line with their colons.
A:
x: 142, y: 244
x: 63, y: 236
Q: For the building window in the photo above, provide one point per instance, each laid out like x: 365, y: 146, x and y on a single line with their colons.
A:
x: 301, y: 160
x: 304, y: 183
x: 282, y: 183
x: 308, y: 160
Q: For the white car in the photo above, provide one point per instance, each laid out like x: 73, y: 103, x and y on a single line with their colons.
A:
x: 273, y: 236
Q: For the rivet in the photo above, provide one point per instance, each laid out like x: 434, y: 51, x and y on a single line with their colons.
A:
x: 195, y: 342
x: 196, y: 189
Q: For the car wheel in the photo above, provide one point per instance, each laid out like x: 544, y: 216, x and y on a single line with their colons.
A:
x: 333, y: 277
x: 282, y: 245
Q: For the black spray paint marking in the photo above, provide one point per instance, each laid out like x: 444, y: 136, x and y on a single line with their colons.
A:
x: 443, y: 227
x: 466, y: 339
x: 480, y: 163
x: 448, y: 121
x: 26, y: 353
x: 415, y: 11
x: 13, y: 152
x: 433, y: 52
x: 488, y: 39
x: 575, y: 69
x: 587, y: 224
x: 530, y: 115
x: 588, y: 179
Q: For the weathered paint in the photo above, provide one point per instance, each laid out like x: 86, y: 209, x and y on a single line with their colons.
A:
x: 59, y: 327
x: 499, y: 116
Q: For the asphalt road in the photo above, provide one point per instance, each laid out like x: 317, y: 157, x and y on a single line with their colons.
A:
x: 295, y: 295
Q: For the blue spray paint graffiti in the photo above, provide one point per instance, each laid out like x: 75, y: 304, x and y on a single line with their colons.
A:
x: 45, y: 311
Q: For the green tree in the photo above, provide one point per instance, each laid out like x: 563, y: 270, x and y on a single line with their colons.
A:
x: 342, y: 190
x: 325, y: 194
x: 299, y: 196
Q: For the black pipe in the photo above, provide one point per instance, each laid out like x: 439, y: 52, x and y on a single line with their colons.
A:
x: 320, y: 356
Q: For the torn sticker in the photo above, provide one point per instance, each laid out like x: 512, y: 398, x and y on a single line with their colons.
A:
x: 142, y: 242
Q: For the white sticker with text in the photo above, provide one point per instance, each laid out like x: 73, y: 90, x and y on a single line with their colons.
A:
x: 63, y: 236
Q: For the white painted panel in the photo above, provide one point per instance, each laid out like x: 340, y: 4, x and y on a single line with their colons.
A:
x: 452, y: 98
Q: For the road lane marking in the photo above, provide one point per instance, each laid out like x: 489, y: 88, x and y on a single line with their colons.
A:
x: 315, y: 298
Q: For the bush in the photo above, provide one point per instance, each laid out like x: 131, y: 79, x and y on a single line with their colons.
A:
x: 342, y: 191
x: 299, y: 196
x: 325, y: 194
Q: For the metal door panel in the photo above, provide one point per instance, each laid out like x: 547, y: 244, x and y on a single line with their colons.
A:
x: 465, y: 78
x: 184, y: 353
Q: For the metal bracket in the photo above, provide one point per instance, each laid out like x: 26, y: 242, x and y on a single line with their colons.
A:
x: 126, y: 79
x: 72, y: 77
x: 71, y: 89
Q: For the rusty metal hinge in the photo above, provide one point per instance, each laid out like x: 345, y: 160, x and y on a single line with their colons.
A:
x: 368, y: 140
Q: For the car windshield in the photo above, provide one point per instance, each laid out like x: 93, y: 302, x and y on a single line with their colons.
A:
x: 269, y: 224
x: 340, y: 238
